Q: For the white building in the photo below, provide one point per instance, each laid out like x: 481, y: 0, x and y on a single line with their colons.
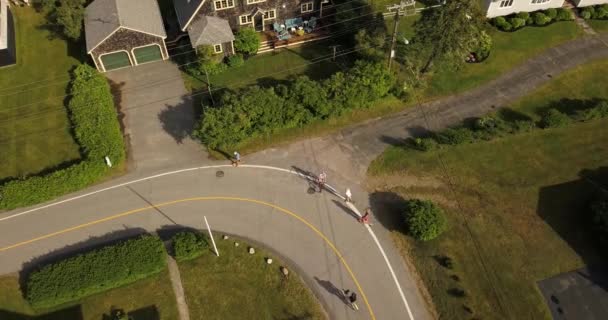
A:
x: 494, y: 8
x: 3, y: 24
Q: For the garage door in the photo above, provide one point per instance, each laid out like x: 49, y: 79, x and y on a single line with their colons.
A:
x: 147, y: 54
x: 115, y: 60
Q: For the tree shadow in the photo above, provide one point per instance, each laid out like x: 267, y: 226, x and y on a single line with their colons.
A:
x: 178, y: 121
x: 565, y: 208
x: 145, y: 313
x: 88, y: 245
x: 511, y: 115
x: 70, y: 313
x: 388, y: 208
x: 392, y: 141
x: 570, y: 106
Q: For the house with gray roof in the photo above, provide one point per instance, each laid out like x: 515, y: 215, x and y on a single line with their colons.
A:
x: 7, y: 36
x: 123, y: 33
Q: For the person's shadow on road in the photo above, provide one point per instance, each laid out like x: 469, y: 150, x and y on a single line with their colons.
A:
x: 327, y: 285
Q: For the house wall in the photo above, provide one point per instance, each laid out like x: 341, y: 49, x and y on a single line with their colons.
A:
x: 586, y: 3
x: 292, y: 9
x: 493, y: 8
x: 125, y: 39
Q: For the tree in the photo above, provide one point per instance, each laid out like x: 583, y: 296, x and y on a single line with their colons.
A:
x: 247, y: 41
x: 599, y: 210
x: 424, y: 219
x: 67, y: 15
x: 447, y: 33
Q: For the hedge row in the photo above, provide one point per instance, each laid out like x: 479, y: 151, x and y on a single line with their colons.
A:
x: 599, y: 11
x: 97, y: 131
x: 489, y: 128
x: 99, y: 270
x: 519, y: 20
x: 188, y: 245
x: 259, y: 111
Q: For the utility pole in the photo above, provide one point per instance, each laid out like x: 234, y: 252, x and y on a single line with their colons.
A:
x: 391, y: 53
x: 217, y: 253
x: 209, y: 87
x: 334, y: 47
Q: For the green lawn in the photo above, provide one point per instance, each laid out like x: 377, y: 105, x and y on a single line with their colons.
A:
x: 144, y: 299
x: 599, y: 25
x: 509, y: 50
x: 522, y: 198
x: 237, y: 285
x: 34, y: 130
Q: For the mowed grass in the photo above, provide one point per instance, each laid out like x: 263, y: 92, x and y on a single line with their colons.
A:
x: 34, y: 127
x: 237, y: 285
x: 599, y: 25
x: 509, y: 50
x: 151, y: 298
x: 516, y: 210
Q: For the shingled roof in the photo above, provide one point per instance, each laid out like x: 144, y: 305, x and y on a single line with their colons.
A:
x: 103, y: 17
x: 185, y: 10
x: 209, y: 30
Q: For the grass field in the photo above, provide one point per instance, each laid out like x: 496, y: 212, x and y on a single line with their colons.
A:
x: 515, y: 210
x: 34, y: 130
x: 237, y: 285
x: 599, y: 25
x: 150, y: 299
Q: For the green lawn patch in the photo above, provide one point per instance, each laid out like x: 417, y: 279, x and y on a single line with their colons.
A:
x: 147, y: 297
x: 35, y: 130
x: 598, y: 25
x: 237, y: 285
x: 522, y: 198
x: 509, y: 50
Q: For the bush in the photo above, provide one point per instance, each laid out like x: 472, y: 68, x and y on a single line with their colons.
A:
x: 425, y: 220
x: 484, y: 47
x: 247, y: 41
x: 553, y: 118
x: 488, y: 128
x: 540, y: 19
x: 517, y: 23
x: 188, y: 245
x: 236, y: 61
x: 564, y: 14
x: 425, y: 144
x: 602, y: 12
x: 599, y: 211
x: 522, y: 126
x: 551, y: 13
x: 597, y: 112
x: 96, y: 130
x: 585, y: 13
x: 523, y: 15
x: 502, y: 24
x: 455, y: 136
x: 96, y: 271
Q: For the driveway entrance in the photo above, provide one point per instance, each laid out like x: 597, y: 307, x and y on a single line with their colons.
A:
x: 159, y: 116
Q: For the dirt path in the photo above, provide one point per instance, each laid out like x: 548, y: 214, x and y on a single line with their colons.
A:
x: 178, y: 289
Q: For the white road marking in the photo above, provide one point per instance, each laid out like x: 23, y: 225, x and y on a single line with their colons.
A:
x: 351, y: 206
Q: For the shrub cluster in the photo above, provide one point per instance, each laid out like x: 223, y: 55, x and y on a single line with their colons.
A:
x: 519, y: 20
x: 188, y: 245
x: 484, y: 47
x: 599, y: 211
x: 599, y: 11
x: 212, y: 63
x: 95, y: 271
x: 425, y: 220
x: 489, y: 128
x: 97, y: 131
x: 257, y: 111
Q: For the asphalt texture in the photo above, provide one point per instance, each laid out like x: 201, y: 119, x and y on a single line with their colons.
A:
x: 160, y: 144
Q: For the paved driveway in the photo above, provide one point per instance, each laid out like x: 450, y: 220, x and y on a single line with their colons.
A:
x: 159, y: 116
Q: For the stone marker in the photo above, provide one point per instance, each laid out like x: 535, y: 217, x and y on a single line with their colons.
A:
x: 225, y: 237
x: 285, y: 271
x: 269, y: 261
x: 236, y: 244
x: 251, y: 250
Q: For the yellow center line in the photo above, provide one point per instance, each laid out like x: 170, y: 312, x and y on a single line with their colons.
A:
x: 164, y: 204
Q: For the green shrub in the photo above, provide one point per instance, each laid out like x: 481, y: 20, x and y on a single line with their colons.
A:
x: 502, y: 24
x: 96, y: 130
x: 455, y: 136
x: 601, y: 12
x: 597, y: 112
x: 540, y: 19
x: 599, y: 211
x: 425, y: 144
x: 522, y: 126
x: 484, y: 47
x: 488, y: 128
x: 523, y: 15
x: 553, y: 118
x: 425, y: 220
x: 236, y: 61
x: 188, y: 245
x: 247, y: 41
x: 551, y: 13
x: 96, y: 271
x: 564, y: 14
x: 585, y: 13
x: 517, y: 23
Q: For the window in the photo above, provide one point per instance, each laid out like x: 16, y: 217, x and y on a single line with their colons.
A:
x: 308, y: 6
x: 245, y: 19
x: 223, y: 4
x: 506, y: 3
x: 270, y: 14
x: 539, y: 1
x: 255, y: 1
x: 217, y: 48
